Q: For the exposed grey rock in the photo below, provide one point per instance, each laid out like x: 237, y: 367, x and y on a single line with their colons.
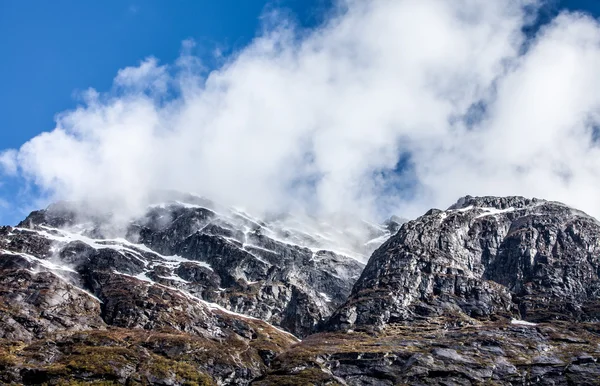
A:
x: 442, y: 302
x: 483, y: 258
x: 494, y: 290
x: 287, y: 271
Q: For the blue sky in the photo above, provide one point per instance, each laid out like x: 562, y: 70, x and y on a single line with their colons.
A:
x: 51, y: 50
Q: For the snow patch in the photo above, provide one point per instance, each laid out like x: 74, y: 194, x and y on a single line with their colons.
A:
x: 522, y: 323
x: 120, y: 245
x: 465, y: 209
x: 325, y: 297
x: 378, y: 240
x: 173, y: 278
x: 44, y: 263
x: 143, y: 277
x: 179, y: 259
x: 494, y: 211
x: 252, y: 246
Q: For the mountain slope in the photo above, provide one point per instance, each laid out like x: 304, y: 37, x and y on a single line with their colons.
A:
x: 94, y: 320
x: 187, y: 293
x: 484, y: 258
x: 290, y: 276
x: 491, y: 291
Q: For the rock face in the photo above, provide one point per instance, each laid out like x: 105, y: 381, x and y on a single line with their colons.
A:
x: 495, y: 291
x: 483, y: 258
x: 289, y: 272
x: 445, y: 299
x: 188, y: 293
x: 87, y: 320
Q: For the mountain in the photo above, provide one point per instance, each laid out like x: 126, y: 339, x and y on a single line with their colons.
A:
x: 484, y: 258
x: 491, y: 291
x: 187, y: 282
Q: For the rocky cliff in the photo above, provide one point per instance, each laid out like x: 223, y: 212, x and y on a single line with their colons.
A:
x: 484, y: 258
x: 188, y: 292
x: 490, y: 291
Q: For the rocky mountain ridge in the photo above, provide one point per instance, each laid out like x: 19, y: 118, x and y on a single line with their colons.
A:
x: 293, y: 277
x: 190, y: 269
x: 483, y: 258
x: 493, y: 290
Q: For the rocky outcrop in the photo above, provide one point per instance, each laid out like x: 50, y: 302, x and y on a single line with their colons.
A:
x: 37, y: 302
x: 484, y: 258
x: 439, y: 351
x: 491, y: 291
x: 290, y: 272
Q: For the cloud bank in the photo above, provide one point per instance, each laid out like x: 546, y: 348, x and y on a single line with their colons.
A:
x: 390, y: 106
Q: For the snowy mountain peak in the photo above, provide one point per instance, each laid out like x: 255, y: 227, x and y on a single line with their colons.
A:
x: 274, y: 269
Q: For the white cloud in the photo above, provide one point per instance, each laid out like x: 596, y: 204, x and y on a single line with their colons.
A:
x: 320, y: 119
x: 8, y: 162
x: 148, y: 76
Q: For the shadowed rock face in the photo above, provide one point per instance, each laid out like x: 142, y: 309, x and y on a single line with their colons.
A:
x: 283, y: 270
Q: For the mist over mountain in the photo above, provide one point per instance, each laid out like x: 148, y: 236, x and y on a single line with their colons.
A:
x: 385, y: 107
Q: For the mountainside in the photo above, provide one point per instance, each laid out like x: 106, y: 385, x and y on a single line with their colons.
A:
x: 190, y: 269
x: 491, y: 291
x: 293, y: 277
x: 484, y: 258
